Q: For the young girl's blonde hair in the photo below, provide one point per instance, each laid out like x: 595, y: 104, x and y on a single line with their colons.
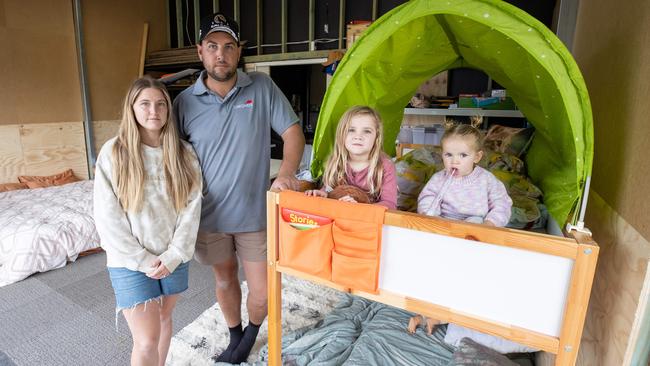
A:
x: 128, y: 166
x: 336, y: 165
x: 455, y: 129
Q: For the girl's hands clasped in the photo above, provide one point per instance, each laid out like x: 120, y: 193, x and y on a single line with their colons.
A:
x: 159, y: 270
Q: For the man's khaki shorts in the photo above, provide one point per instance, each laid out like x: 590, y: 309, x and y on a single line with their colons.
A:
x: 214, y: 248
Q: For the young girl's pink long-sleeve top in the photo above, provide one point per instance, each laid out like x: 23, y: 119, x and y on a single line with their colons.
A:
x: 388, y: 196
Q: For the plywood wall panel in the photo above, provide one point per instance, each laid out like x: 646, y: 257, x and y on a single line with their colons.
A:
x: 103, y: 131
x: 51, y: 145
x: 621, y: 271
x: 611, y: 49
x: 42, y: 149
x: 113, y: 41
x: 38, y: 65
x: 11, y: 154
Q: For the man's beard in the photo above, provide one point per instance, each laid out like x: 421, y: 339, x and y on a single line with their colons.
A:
x: 224, y: 76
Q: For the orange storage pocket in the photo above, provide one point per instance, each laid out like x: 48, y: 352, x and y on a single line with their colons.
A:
x: 356, y: 239
x: 355, y: 273
x: 307, y: 250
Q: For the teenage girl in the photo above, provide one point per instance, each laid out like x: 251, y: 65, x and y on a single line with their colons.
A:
x: 463, y: 190
x: 147, y: 204
x: 358, y: 159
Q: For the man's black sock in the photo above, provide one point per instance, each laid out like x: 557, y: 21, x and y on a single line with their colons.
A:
x: 236, y: 334
x: 240, y: 354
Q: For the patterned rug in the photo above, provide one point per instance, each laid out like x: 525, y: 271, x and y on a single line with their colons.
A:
x: 303, y: 304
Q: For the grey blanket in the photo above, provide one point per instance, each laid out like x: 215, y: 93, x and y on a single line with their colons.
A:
x: 363, y: 332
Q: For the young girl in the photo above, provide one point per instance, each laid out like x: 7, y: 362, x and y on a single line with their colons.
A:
x: 463, y: 190
x: 147, y: 201
x: 358, y: 159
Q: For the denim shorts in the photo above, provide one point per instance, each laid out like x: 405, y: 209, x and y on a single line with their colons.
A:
x: 133, y: 287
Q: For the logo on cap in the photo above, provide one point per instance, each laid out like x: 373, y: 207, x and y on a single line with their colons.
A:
x: 218, y: 23
x: 220, y: 18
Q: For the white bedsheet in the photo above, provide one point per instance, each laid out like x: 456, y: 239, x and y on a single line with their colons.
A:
x: 44, y: 228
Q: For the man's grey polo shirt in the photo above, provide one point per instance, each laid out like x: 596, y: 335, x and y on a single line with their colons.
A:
x: 232, y: 138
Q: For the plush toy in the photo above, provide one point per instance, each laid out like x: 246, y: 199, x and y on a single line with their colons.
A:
x: 347, y: 190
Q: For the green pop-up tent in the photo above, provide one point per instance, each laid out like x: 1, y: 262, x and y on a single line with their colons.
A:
x: 421, y: 38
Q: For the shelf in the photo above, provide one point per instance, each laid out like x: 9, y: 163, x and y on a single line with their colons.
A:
x: 188, y: 57
x: 464, y: 112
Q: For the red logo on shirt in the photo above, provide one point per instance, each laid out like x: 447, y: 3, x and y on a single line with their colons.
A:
x: 247, y: 104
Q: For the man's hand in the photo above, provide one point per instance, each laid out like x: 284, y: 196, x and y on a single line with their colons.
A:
x: 294, y: 143
x: 285, y: 183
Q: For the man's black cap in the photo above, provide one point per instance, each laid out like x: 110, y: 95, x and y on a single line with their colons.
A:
x: 218, y: 22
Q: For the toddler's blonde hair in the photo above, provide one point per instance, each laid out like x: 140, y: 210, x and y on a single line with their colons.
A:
x: 455, y: 129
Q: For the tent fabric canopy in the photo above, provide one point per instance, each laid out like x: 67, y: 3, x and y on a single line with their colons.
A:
x: 421, y: 38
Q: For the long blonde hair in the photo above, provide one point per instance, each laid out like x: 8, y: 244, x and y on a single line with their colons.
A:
x: 128, y: 166
x: 453, y: 128
x: 336, y: 164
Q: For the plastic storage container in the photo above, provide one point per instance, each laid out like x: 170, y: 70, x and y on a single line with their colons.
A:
x: 405, y: 135
x: 429, y: 135
x: 418, y: 134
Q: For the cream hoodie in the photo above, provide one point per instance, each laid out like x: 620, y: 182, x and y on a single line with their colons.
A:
x: 135, y: 239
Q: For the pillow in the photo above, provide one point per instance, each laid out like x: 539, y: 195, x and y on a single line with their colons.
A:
x: 413, y: 171
x: 455, y: 334
x: 494, y: 160
x: 6, y: 187
x: 470, y: 353
x: 509, y: 140
x: 48, y: 180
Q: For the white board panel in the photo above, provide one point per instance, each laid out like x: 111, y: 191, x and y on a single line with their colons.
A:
x: 512, y: 286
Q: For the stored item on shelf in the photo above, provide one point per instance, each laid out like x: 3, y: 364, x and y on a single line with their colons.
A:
x: 498, y: 93
x: 418, y: 135
x: 484, y: 101
x: 429, y: 135
x: 503, y: 104
x: 170, y: 78
x: 466, y: 102
x: 354, y: 30
x: 491, y: 103
x: 419, y: 101
x: 405, y: 135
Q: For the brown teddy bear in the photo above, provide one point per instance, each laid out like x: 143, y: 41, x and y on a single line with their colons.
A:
x: 357, y: 193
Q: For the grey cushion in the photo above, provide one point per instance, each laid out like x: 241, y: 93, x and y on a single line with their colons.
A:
x: 470, y: 353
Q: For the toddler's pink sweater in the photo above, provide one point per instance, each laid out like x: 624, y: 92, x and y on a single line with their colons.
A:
x: 478, y: 194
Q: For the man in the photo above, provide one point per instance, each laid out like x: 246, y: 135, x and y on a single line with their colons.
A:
x: 227, y: 116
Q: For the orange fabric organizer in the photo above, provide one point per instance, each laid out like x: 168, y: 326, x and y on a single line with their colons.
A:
x: 345, y: 251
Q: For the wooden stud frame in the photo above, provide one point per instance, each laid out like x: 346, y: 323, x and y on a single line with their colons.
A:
x: 577, y: 247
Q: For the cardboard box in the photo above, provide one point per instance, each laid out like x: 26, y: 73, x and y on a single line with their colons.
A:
x: 354, y: 31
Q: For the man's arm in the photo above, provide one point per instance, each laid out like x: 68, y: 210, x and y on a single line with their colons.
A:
x: 294, y: 144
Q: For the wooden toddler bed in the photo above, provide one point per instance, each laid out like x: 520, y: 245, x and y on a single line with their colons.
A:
x: 526, y: 287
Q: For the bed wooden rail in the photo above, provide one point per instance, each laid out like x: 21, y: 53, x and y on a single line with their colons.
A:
x: 556, y: 272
